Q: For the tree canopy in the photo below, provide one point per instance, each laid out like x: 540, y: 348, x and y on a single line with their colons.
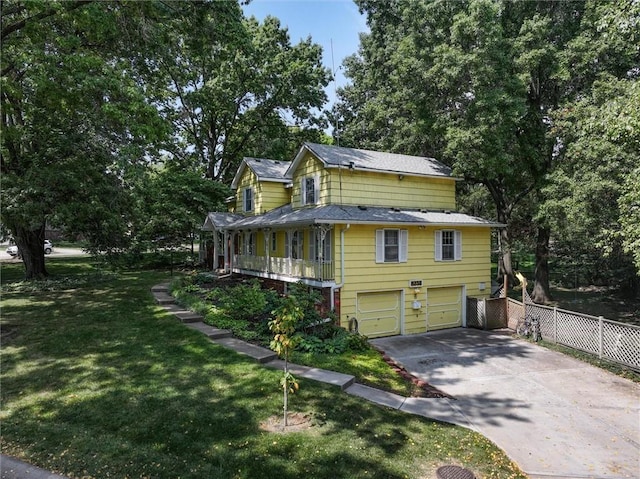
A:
x: 481, y: 85
x: 95, y: 93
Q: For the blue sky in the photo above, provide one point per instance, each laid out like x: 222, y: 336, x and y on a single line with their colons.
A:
x: 327, y: 22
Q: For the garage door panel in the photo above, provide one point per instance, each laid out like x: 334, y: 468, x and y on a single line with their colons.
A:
x: 444, y: 308
x: 379, y: 313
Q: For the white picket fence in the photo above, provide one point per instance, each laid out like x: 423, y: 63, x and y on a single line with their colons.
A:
x: 610, y: 340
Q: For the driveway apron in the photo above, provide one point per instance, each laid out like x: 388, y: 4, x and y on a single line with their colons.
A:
x: 554, y: 416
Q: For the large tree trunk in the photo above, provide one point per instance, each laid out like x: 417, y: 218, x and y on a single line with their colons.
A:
x: 505, y: 265
x: 541, y: 291
x: 31, y: 245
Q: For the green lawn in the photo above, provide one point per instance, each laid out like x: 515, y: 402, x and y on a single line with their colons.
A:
x: 98, y: 381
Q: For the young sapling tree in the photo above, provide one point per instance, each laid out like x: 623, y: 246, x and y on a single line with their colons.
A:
x: 287, y: 316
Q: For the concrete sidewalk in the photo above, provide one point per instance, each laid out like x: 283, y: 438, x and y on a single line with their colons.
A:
x: 11, y: 468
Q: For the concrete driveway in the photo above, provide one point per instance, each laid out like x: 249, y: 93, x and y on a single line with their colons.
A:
x: 553, y: 415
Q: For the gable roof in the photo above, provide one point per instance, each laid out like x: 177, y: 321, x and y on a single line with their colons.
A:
x: 367, y: 160
x: 264, y: 169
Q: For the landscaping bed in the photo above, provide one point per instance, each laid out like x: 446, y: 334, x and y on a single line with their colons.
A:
x: 245, y: 307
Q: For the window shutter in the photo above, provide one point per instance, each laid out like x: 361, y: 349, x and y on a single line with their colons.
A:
x: 403, y: 251
x: 244, y: 200
x: 303, y: 192
x: 458, y: 245
x: 438, y: 252
x: 379, y: 246
x: 316, y: 188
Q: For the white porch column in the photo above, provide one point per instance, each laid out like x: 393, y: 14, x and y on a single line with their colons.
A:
x: 267, y: 248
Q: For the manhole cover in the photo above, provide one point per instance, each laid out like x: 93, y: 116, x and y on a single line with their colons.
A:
x: 454, y: 472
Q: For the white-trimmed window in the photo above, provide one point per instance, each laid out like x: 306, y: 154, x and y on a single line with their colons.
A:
x: 294, y: 244
x: 247, y: 199
x: 448, y: 245
x: 310, y: 190
x: 315, y: 245
x: 392, y: 246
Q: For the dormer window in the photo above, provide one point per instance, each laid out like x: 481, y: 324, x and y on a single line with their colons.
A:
x: 247, y: 199
x: 310, y: 190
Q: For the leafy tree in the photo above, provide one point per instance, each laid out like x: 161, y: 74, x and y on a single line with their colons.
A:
x: 74, y: 118
x: 229, y: 93
x: 590, y: 197
x: 476, y: 84
x: 171, y: 205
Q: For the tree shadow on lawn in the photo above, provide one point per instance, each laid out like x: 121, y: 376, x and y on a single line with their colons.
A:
x: 116, y: 386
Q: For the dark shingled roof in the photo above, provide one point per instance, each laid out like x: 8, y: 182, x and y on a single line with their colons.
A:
x: 334, y: 214
x: 334, y: 156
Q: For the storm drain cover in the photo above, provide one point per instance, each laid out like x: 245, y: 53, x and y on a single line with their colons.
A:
x: 454, y: 472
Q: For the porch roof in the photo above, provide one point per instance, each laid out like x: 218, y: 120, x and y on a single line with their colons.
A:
x: 217, y: 220
x: 286, y: 216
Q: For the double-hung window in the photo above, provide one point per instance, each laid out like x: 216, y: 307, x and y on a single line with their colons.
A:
x: 310, y: 190
x: 392, y: 246
x: 448, y: 245
x: 247, y: 199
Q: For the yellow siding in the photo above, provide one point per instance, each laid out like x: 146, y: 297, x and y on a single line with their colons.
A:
x: 310, y: 166
x: 247, y: 180
x: 378, y: 189
x: 364, y: 274
x: 267, y: 195
x: 272, y: 195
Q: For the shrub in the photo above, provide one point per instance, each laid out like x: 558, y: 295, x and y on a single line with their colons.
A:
x: 245, y: 301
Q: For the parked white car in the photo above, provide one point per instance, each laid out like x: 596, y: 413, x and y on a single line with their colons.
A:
x: 14, y: 251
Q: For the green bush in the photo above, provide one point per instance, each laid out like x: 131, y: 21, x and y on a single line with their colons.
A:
x: 245, y: 301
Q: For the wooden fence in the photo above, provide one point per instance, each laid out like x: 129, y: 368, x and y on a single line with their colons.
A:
x: 610, y: 340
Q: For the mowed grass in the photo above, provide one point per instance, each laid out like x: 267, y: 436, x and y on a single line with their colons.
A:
x: 98, y: 381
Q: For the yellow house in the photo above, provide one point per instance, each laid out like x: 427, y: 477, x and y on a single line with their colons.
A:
x: 376, y: 232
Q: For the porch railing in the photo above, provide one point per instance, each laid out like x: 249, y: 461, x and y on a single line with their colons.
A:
x: 294, y: 268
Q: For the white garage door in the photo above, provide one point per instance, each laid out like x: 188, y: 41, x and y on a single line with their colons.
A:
x: 379, y: 313
x: 444, y: 308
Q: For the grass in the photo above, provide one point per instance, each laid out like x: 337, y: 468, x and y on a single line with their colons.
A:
x: 368, y: 368
x: 98, y: 381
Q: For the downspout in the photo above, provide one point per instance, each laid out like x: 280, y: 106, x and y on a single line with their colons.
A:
x: 341, y: 284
